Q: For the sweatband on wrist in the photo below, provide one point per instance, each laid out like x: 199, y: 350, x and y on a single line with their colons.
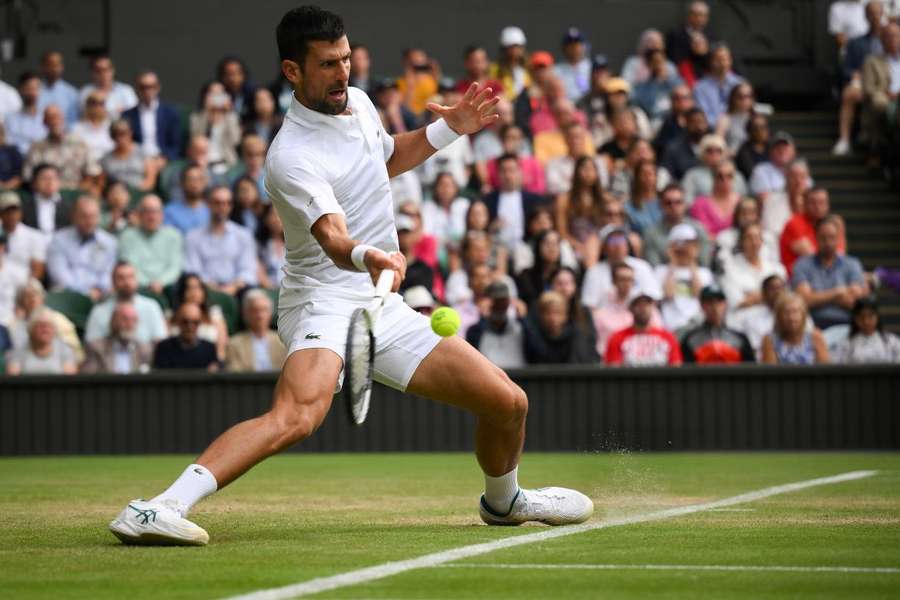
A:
x: 358, y: 256
x: 440, y: 135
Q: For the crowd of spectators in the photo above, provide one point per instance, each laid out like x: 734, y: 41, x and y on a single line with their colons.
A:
x: 636, y: 216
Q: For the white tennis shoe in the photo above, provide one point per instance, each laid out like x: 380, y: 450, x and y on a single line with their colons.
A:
x: 550, y: 505
x: 156, y: 524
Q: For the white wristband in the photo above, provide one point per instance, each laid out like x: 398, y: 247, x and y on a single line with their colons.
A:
x: 440, y: 135
x: 358, y: 256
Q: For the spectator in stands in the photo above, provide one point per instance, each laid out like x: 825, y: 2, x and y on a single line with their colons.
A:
x: 681, y: 279
x: 10, y: 101
x: 868, y: 343
x: 510, y: 68
x: 126, y: 162
x: 10, y: 163
x: 231, y: 72
x: 642, y: 344
x: 728, y: 242
x: 271, y: 247
x: 25, y: 246
x: 217, y: 120
x: 46, y: 210
x: 532, y: 99
x: 712, y: 342
x: 26, y: 126
x: 444, y: 215
x: 643, y: 201
x: 191, y: 212
x: 622, y: 181
x: 156, y: 124
x: 758, y: 320
x: 549, y: 122
x: 732, y: 124
x: 564, y: 281
x: 424, y: 247
x: 154, y: 249
x: 458, y: 159
x: 799, y: 236
x: 477, y: 67
x: 674, y: 211
x: 624, y: 134
x: 858, y: 49
x: 513, y: 140
x: 488, y: 146
x: 55, y: 89
x: 693, y: 68
x: 674, y: 121
x: 637, y: 68
x: 115, y: 215
x: 69, y: 155
x: 716, y: 211
x: 186, y: 350
x: 560, y: 170
x: 420, y: 79
x: 471, y: 301
x: 259, y: 348
x: 221, y: 253
x: 81, y: 257
x: 151, y: 325
x: 12, y: 276
x: 618, y: 99
x: 550, y: 338
x: 253, y: 158
x: 418, y: 299
x: 756, y: 149
x: 847, y: 20
x: 593, y: 104
x: 881, y: 88
x: 45, y: 352
x: 248, y: 205
x: 682, y: 152
x: 395, y: 116
x: 615, y: 249
x: 700, y: 181
x: 93, y: 128
x: 612, y: 214
x: 29, y: 299
x: 537, y: 222
x: 678, y: 41
x: 575, y: 71
x: 615, y: 314
x: 119, y: 96
x: 418, y: 272
x: 509, y: 205
x: 533, y: 281
x: 790, y: 342
x: 264, y: 120
x: 360, y: 69
x: 190, y: 289
x: 744, y: 274
x: 781, y: 206
x: 654, y: 92
x: 829, y: 282
x: 499, y: 334
x: 578, y: 211
x: 769, y: 176
x: 712, y: 91
x: 119, y: 351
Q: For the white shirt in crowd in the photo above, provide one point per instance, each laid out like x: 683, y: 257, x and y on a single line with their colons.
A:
x: 894, y: 65
x: 848, y: 17
x: 46, y: 213
x: 878, y: 348
x: 595, y: 289
x: 25, y: 244
x: 454, y: 159
x: 119, y: 99
x: 95, y: 136
x: 10, y: 101
x: 405, y: 187
x: 12, y: 277
x: 507, y: 349
x: 684, y: 306
x: 511, y: 215
x: 559, y: 174
x: 330, y: 164
x: 741, y: 278
x: 148, y: 128
x: 262, y: 360
x: 727, y: 241
x: 445, y: 226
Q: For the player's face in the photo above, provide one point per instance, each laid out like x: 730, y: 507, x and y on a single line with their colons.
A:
x: 321, y: 84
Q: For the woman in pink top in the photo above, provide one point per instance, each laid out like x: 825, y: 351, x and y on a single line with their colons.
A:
x: 513, y: 140
x: 716, y: 212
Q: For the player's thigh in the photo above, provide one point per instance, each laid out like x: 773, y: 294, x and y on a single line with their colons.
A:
x: 456, y: 373
x: 305, y: 389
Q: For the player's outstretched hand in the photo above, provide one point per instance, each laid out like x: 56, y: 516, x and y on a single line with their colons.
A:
x: 379, y: 261
x: 473, y: 112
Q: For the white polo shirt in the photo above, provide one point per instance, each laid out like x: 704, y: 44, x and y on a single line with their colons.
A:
x: 322, y: 164
x: 26, y: 244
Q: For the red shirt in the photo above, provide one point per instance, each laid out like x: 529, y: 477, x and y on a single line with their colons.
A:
x: 801, y: 227
x: 651, y: 347
x: 462, y: 86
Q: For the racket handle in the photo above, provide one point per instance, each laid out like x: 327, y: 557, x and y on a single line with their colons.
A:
x: 385, y: 282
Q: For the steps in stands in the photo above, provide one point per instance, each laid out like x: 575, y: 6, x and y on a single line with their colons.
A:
x: 860, y: 195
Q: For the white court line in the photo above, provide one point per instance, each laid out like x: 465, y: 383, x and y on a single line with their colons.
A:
x: 322, y: 584
x: 614, y: 567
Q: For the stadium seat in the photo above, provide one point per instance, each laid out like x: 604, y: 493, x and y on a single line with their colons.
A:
x: 167, y: 177
x: 229, y: 308
x: 135, y: 198
x: 76, y: 307
x: 273, y: 295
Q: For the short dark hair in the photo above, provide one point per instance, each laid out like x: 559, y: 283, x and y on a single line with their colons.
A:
x: 829, y: 219
x: 690, y: 113
x: 41, y: 168
x: 305, y: 24
x: 27, y: 76
x: 505, y: 157
x: 470, y: 50
x: 768, y: 281
x: 671, y: 187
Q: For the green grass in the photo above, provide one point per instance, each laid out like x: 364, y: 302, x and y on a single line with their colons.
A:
x: 299, y: 517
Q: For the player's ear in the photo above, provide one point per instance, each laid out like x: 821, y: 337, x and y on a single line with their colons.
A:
x: 292, y: 71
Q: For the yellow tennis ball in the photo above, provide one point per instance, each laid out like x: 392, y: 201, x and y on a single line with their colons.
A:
x: 445, y: 321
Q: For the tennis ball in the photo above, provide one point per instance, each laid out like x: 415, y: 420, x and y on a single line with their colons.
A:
x: 445, y: 321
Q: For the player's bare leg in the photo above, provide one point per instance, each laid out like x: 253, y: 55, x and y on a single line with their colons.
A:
x: 456, y: 373
x: 301, y: 400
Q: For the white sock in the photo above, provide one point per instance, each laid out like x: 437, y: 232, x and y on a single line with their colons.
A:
x: 499, y: 492
x: 195, y: 484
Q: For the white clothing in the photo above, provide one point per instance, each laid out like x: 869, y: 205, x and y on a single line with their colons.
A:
x: 848, y: 18
x: 119, y: 99
x: 26, y: 244
x: 95, y: 136
x: 727, y: 241
x: 12, y: 277
x: 507, y: 349
x: 10, y: 101
x: 46, y: 213
x: 755, y: 322
x: 443, y: 225
x: 742, y: 278
x: 684, y: 307
x: 559, y: 173
x: 869, y: 349
x: 511, y: 216
x: 405, y: 187
x: 262, y: 360
x: 894, y: 66
x: 595, y: 290
x: 148, y: 128
x: 454, y: 159
x: 776, y: 212
x: 457, y: 290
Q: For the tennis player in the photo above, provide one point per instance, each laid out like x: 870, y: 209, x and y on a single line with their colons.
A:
x: 327, y: 173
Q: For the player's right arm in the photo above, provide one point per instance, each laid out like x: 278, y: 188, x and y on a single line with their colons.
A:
x: 330, y: 230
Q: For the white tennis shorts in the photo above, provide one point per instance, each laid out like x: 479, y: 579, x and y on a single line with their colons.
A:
x: 403, y: 337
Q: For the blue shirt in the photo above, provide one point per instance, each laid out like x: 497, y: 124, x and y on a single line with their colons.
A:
x: 645, y: 217
x: 184, y: 218
x: 64, y: 95
x: 81, y: 264
x: 23, y: 129
x: 712, y: 95
x: 576, y: 78
x: 844, y: 271
x: 222, y: 258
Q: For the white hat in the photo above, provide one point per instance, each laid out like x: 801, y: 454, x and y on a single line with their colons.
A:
x: 418, y: 297
x: 512, y: 36
x: 405, y: 222
x: 682, y: 233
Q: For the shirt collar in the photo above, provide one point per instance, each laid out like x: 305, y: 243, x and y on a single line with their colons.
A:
x: 54, y: 199
x: 306, y: 116
x: 153, y: 105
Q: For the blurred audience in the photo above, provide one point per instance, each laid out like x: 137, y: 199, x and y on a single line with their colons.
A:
x: 154, y: 249
x: 186, y: 350
x: 155, y: 124
x: 150, y: 325
x: 867, y: 342
x: 81, y: 257
x: 45, y: 353
x: 26, y: 247
x: 712, y: 342
x: 642, y: 344
x: 119, y: 351
x: 790, y: 342
x: 550, y: 338
x: 119, y: 96
x: 499, y: 334
x: 259, y: 348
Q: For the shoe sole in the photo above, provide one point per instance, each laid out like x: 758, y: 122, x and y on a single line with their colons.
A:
x: 153, y: 539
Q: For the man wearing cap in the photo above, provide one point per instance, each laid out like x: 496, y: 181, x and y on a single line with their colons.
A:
x: 419, y: 299
x: 769, y: 176
x: 25, y: 246
x: 12, y: 277
x: 593, y: 103
x: 642, y: 344
x: 532, y: 97
x: 575, y: 72
x: 682, y: 278
x: 698, y: 181
x: 712, y: 91
x: 712, y: 342
x: 598, y: 286
x: 499, y: 334
x: 509, y: 70
x: 674, y: 211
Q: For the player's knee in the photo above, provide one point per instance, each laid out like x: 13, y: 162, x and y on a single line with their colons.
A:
x: 295, y: 419
x: 513, y: 408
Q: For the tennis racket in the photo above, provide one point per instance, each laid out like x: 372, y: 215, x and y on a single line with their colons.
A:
x: 359, y: 357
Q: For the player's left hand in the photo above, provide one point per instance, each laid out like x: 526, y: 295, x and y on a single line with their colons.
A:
x: 473, y: 112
